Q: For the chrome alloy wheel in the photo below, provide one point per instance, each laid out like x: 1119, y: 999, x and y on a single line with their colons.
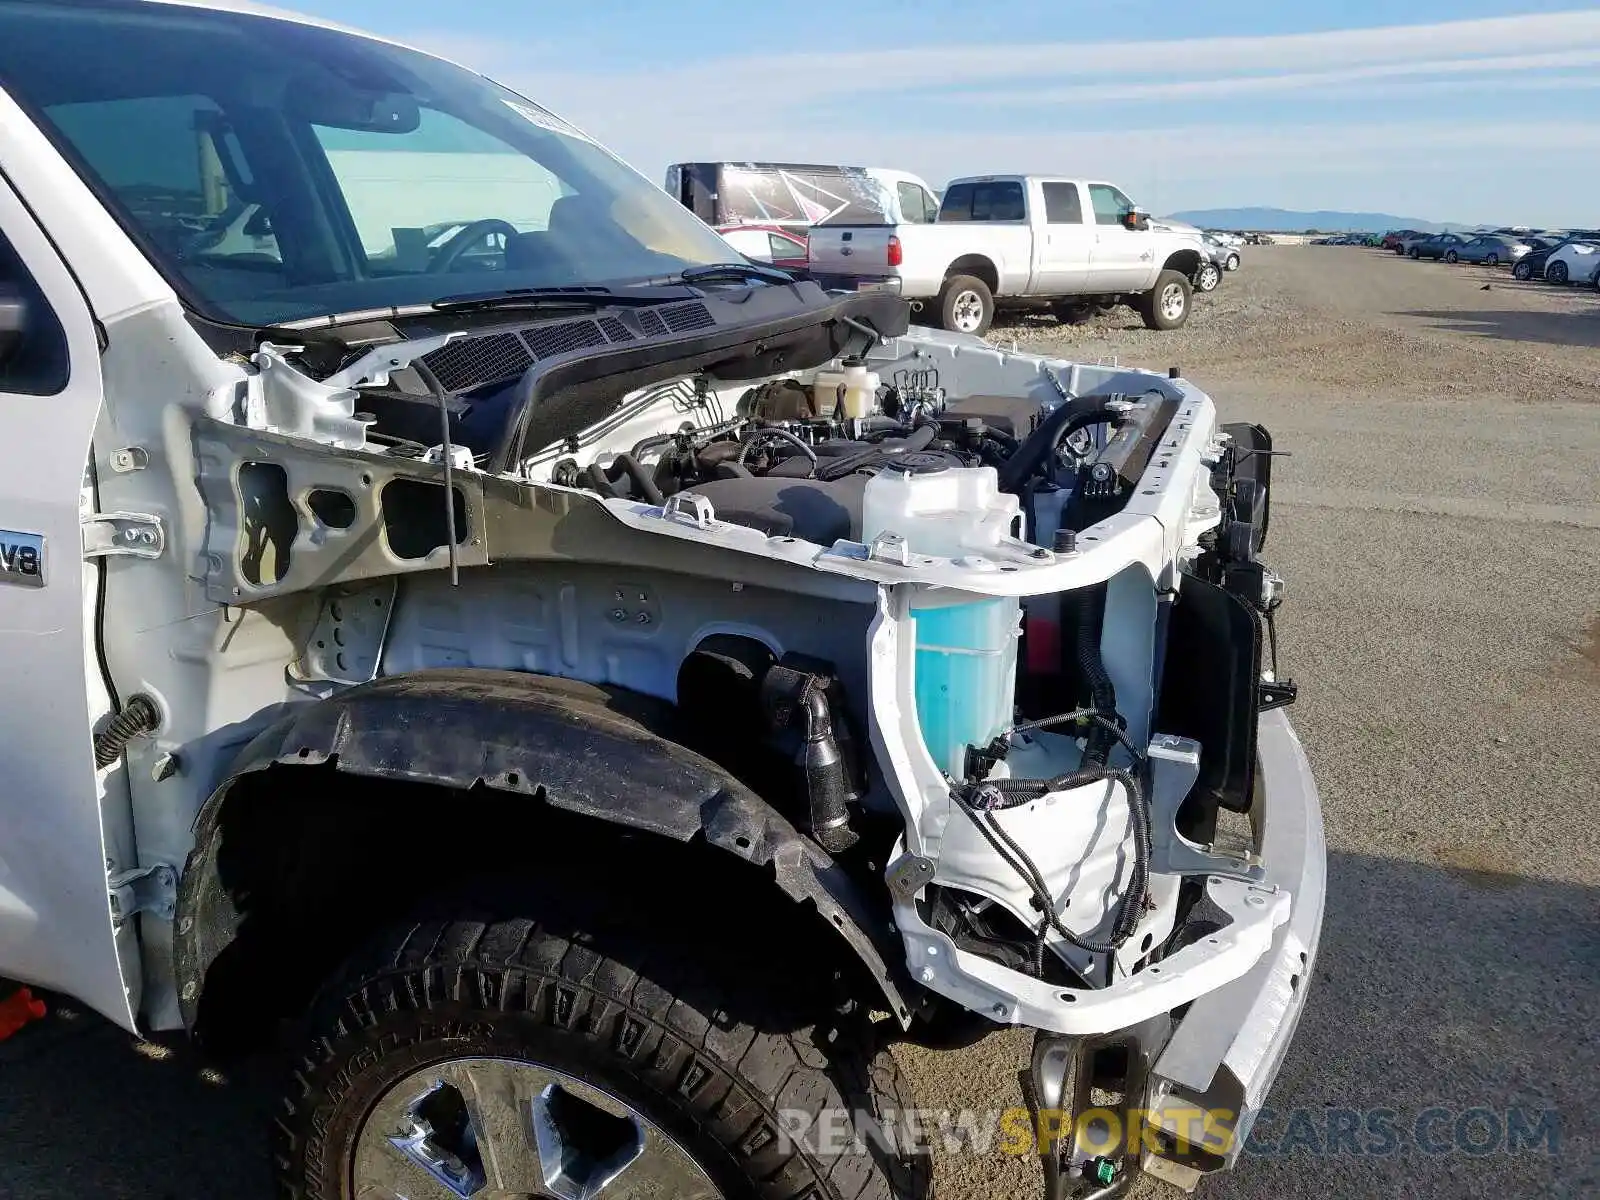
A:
x: 504, y: 1129
x: 967, y: 310
x: 1172, y: 301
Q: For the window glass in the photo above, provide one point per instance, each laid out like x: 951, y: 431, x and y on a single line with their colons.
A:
x: 33, y: 346
x: 1061, y: 204
x: 275, y: 171
x: 1110, y: 205
x: 910, y: 197
x: 177, y: 170
x: 994, y: 200
x: 410, y: 194
x: 781, y: 247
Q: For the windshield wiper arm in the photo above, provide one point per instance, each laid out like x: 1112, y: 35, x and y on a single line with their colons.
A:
x: 513, y: 298
x: 734, y: 270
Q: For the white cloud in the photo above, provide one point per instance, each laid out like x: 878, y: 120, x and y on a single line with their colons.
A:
x: 893, y: 107
x: 1310, y: 82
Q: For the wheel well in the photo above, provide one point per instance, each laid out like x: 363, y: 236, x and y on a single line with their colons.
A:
x: 1185, y: 261
x: 978, y: 267
x: 317, y: 863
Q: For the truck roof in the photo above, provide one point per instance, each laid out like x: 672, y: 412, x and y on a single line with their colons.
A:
x: 252, y: 9
x: 1024, y: 178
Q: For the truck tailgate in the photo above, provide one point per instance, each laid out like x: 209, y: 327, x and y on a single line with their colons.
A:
x: 851, y: 250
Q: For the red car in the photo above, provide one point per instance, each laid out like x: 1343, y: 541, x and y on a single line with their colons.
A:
x: 775, y: 244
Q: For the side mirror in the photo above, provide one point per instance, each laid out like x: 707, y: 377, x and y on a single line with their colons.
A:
x: 1135, y: 220
x: 13, y: 320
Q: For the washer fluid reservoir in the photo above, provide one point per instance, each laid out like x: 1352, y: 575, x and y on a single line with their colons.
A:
x: 966, y: 651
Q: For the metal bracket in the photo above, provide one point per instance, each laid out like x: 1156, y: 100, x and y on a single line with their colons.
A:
x: 347, y: 643
x: 1174, y: 767
x: 890, y: 548
x: 152, y: 890
x: 1276, y: 693
x: 907, y: 875
x: 135, y: 535
x: 690, y: 507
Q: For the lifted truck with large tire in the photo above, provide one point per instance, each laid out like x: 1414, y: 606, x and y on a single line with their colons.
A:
x: 1019, y: 241
x: 533, y: 680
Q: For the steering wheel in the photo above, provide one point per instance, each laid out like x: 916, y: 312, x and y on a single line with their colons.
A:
x: 762, y: 435
x: 448, y: 254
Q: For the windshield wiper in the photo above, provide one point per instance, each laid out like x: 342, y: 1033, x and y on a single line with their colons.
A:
x: 733, y: 270
x: 579, y: 297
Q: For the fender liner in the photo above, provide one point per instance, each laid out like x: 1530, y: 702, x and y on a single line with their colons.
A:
x: 596, y: 751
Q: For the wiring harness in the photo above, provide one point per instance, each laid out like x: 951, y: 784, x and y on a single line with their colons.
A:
x: 980, y: 798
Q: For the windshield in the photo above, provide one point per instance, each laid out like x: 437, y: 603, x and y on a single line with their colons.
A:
x: 276, y: 171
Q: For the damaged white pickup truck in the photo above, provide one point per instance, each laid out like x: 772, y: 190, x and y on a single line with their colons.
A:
x: 585, y: 696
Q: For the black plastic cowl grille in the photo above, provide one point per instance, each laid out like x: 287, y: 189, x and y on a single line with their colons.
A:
x: 489, y: 358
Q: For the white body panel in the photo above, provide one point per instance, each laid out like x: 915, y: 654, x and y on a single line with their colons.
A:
x: 63, y: 826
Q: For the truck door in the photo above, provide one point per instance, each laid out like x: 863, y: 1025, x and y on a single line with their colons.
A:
x: 1123, y: 259
x: 1062, y: 243
x: 56, y: 929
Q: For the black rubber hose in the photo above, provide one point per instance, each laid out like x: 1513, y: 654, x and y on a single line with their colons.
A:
x: 625, y: 464
x: 140, y: 717
x: 1083, y: 609
x: 1042, y: 442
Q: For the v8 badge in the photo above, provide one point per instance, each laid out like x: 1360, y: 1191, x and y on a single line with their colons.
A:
x: 21, y: 558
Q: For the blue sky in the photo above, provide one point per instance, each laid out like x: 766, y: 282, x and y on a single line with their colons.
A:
x: 1471, y: 111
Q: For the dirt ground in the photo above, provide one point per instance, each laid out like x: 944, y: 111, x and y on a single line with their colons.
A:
x: 1439, y: 527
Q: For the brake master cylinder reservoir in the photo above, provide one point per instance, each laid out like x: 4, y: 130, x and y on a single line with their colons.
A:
x: 966, y: 648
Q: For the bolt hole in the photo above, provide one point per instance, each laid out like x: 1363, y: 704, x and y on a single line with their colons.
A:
x: 514, y: 778
x: 1145, y: 945
x: 1069, y: 998
x: 742, y: 842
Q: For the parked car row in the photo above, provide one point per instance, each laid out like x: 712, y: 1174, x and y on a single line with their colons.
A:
x: 1561, y: 256
x: 1565, y: 258
x: 1347, y: 239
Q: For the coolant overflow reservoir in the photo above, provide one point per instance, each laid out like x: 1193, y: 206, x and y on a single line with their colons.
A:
x: 943, y: 511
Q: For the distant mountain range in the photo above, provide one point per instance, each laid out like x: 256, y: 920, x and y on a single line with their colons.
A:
x: 1282, y: 220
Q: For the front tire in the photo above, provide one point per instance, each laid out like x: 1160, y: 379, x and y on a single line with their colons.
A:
x: 1166, y: 306
x: 1233, y: 262
x: 1451, y: 256
x: 966, y: 305
x: 1207, y: 278
x: 1522, y: 271
x: 1556, y: 272
x: 463, y: 1055
x: 1492, y: 261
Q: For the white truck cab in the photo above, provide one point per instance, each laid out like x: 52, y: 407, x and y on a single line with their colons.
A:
x: 596, y: 693
x: 1019, y: 241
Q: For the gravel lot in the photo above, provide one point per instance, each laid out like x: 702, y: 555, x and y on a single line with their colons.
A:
x: 1439, y: 526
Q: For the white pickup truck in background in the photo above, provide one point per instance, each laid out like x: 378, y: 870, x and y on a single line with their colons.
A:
x: 1018, y: 240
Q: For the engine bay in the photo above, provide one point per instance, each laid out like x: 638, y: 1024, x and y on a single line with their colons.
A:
x: 1061, y: 680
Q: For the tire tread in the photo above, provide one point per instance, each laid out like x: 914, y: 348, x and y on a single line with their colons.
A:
x: 653, y: 1012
